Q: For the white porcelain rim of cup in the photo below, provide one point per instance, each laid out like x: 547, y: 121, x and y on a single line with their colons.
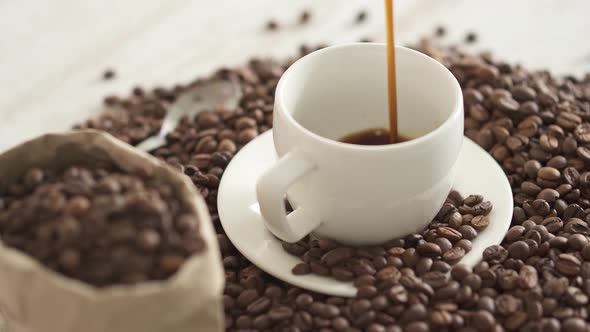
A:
x: 457, y: 109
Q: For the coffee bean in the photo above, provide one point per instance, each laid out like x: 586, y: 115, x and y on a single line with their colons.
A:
x: 527, y: 128
x: 500, y: 134
x: 519, y: 250
x: 449, y: 234
x: 568, y: 120
x: 387, y: 273
x: 303, y: 301
x: 108, y: 74
x: 415, y: 312
x: 366, y: 292
x: 530, y: 188
x: 272, y: 25
x: 429, y: 249
x: 246, y: 135
x: 472, y: 96
x: 149, y: 240
x: 440, y: 266
x: 577, y: 241
x: 259, y: 306
x: 336, y: 256
x: 361, y: 16
x: 523, y: 93
x: 410, y: 257
x: 301, y: 269
x: 568, y: 264
x: 467, y: 232
x: 549, y: 173
x: 365, y: 319
x: 517, y: 142
x: 454, y: 254
x: 569, y: 146
x: 69, y: 259
x: 574, y: 325
x: 247, y: 297
x: 472, y: 200
x: 443, y: 243
x: 495, y: 254
x: 516, y: 320
x: 304, y: 17
x: 480, y: 222
x: 465, y: 244
x: 532, y: 167
x: 342, y: 274
x: 483, y: 320
x: 416, y: 327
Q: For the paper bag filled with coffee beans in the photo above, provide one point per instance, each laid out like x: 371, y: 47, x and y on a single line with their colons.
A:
x: 97, y: 236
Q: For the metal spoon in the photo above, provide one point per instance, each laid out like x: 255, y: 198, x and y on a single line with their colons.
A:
x: 204, y: 96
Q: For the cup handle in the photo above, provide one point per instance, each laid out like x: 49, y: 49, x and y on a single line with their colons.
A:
x: 271, y: 189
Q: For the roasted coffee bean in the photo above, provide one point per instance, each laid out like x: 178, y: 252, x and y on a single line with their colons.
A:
x: 583, y: 153
x: 549, y: 173
x: 317, y: 268
x: 272, y: 25
x: 480, y: 222
x: 449, y: 234
x: 574, y: 325
x: 108, y: 74
x: 342, y: 274
x: 519, y: 250
x: 259, y: 306
x: 568, y: 264
x: 361, y: 16
x: 336, y: 256
x: 429, y: 249
x: 483, y: 320
x: 527, y: 128
x: 443, y: 243
x: 454, y: 254
x: 495, y: 254
x: 301, y: 269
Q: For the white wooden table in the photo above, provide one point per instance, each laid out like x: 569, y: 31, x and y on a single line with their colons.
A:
x: 52, y: 53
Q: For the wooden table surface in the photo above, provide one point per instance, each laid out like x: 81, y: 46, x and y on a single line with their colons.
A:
x: 52, y: 53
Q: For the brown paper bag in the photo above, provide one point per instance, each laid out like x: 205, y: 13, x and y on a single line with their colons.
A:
x: 36, y: 299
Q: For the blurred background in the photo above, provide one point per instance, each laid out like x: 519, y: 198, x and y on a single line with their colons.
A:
x: 53, y: 53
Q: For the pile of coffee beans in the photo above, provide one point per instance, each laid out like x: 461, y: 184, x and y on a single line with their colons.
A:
x: 442, y: 244
x: 99, y: 225
x: 538, y: 279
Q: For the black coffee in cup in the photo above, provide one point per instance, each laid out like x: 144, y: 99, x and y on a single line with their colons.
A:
x: 372, y: 136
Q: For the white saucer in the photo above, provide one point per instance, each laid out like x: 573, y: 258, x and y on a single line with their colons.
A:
x: 477, y: 173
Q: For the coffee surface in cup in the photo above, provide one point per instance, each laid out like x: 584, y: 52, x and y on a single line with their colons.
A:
x: 372, y: 136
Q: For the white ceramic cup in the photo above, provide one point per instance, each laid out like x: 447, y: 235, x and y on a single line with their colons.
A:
x: 358, y: 194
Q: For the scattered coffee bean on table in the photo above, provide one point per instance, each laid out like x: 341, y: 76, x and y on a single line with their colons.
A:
x: 100, y: 226
x: 470, y: 38
x: 272, y: 25
x: 537, y: 279
x: 361, y: 16
x: 305, y: 17
x: 108, y: 74
x: 440, y: 31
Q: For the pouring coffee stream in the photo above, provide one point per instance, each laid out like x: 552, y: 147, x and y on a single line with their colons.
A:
x: 383, y: 136
x: 391, y: 72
